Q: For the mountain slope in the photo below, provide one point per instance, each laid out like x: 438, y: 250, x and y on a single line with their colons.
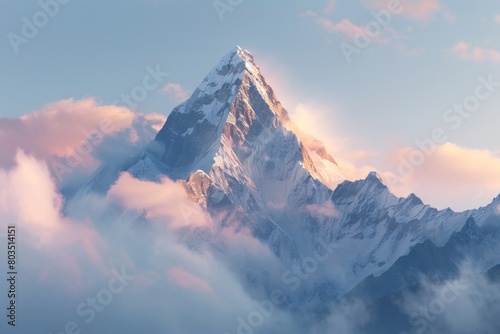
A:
x: 238, y: 155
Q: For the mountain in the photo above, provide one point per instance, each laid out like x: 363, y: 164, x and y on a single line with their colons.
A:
x: 235, y: 150
x: 233, y: 118
x: 428, y: 261
x: 231, y: 145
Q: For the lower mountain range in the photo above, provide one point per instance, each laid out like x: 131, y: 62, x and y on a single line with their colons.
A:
x: 341, y: 249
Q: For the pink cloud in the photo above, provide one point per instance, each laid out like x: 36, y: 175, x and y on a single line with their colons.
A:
x: 29, y: 194
x: 75, y: 136
x: 345, y: 26
x: 466, y: 51
x: 165, y: 199
x: 326, y: 24
x: 354, y: 171
x: 351, y: 30
x: 497, y: 18
x: 188, y: 281
x: 416, y: 9
x: 59, y: 128
x: 455, y: 176
x: 175, y: 92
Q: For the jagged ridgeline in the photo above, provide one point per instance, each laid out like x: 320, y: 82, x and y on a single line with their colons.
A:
x: 235, y: 150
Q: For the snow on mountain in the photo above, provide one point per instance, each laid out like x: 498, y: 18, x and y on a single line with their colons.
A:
x: 231, y: 108
x: 469, y: 246
x: 235, y: 150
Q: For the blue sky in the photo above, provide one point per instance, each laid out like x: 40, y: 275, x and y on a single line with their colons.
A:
x: 395, y: 91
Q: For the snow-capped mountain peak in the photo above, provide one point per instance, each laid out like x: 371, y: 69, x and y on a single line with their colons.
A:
x: 231, y: 113
x: 237, y: 153
x: 374, y: 176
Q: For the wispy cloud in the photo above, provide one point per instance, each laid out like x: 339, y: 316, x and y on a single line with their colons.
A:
x: 308, y: 13
x: 176, y: 92
x: 188, y: 281
x: 475, y: 53
x: 410, y: 51
x: 330, y: 6
x: 326, y: 209
x: 497, y: 18
x: 166, y: 199
x: 467, y: 304
x: 449, y: 17
x: 418, y: 9
x: 346, y: 317
x: 347, y: 28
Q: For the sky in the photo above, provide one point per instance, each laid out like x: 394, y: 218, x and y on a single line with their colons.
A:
x: 416, y: 99
x: 370, y: 95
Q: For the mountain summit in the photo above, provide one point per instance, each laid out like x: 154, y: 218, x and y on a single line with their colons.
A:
x: 232, y: 123
x: 235, y: 150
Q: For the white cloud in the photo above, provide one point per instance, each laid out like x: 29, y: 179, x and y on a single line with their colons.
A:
x: 326, y: 209
x: 167, y: 199
x: 468, y: 304
x: 29, y: 200
x: 346, y: 317
x: 69, y: 260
